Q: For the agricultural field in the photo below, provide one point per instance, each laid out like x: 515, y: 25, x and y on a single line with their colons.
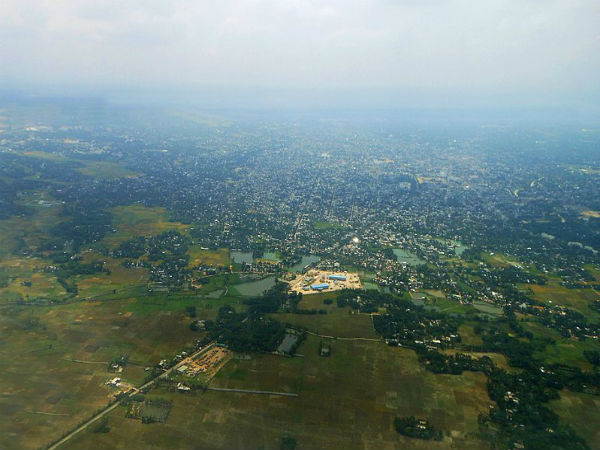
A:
x: 371, y: 382
x: 576, y: 299
x: 106, y: 169
x: 340, y: 322
x: 54, y: 359
x: 24, y: 279
x: 138, y: 220
x: 218, y: 257
x: 96, y: 169
x: 25, y: 233
x: 578, y: 411
x: 564, y: 350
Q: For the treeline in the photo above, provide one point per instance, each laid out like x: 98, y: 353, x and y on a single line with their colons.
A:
x: 252, y: 330
x: 521, y: 416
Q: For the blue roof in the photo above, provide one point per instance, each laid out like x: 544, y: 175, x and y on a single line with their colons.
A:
x: 337, y: 277
x: 319, y: 286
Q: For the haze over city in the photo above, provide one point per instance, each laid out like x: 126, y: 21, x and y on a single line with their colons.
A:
x: 432, y: 53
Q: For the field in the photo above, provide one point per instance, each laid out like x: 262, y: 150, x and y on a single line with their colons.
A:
x: 555, y: 294
x: 139, y: 220
x: 370, y: 382
x: 105, y: 169
x: 96, y: 169
x: 340, y: 322
x: 565, y: 351
x: 31, y: 229
x: 579, y: 410
x: 219, y: 257
x: 54, y: 360
x: 25, y: 280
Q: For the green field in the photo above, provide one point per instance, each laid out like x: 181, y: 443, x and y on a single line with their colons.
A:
x: 348, y: 400
x: 219, y: 257
x: 96, y: 169
x: 580, y: 411
x: 138, y: 220
x: 565, y: 350
x: 555, y: 294
x: 340, y: 322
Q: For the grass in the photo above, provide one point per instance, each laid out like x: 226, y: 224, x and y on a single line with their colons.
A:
x: 119, y: 279
x: 576, y: 299
x: 340, y: 322
x: 38, y: 344
x: 106, y: 169
x: 219, y: 257
x: 565, y: 351
x: 138, y: 220
x: 348, y: 400
x: 96, y: 169
x: 31, y: 229
x: 582, y: 412
x: 16, y: 270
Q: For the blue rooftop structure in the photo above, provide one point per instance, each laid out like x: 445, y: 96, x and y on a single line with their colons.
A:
x: 319, y: 286
x: 337, y: 277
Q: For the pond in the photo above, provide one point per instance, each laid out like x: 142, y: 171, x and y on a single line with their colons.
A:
x: 241, y: 257
x: 306, y: 260
x: 252, y: 288
x: 404, y: 256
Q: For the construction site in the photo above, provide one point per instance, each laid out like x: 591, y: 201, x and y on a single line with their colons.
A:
x: 207, y: 364
x: 315, y: 281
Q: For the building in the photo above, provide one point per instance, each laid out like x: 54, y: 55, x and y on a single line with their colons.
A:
x: 337, y: 277
x: 319, y: 286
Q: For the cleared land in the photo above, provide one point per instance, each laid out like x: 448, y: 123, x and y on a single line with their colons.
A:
x: 325, y: 280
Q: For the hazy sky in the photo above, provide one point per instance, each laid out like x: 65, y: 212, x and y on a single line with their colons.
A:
x: 530, y: 49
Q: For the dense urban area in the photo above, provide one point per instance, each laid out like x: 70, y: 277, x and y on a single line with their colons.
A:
x: 147, y: 259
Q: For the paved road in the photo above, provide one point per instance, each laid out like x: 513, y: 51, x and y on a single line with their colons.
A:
x: 134, y: 391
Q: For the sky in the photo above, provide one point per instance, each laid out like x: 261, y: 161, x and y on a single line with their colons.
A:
x: 420, y: 52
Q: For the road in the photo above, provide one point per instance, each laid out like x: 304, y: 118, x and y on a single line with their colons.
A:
x: 134, y: 391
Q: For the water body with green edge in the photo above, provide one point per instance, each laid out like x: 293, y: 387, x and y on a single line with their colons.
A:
x: 252, y: 288
x: 404, y: 256
x: 306, y: 260
x: 241, y: 257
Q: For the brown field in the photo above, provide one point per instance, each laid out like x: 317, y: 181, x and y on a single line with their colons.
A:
x: 44, y: 392
x: 589, y: 213
x: 348, y: 400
